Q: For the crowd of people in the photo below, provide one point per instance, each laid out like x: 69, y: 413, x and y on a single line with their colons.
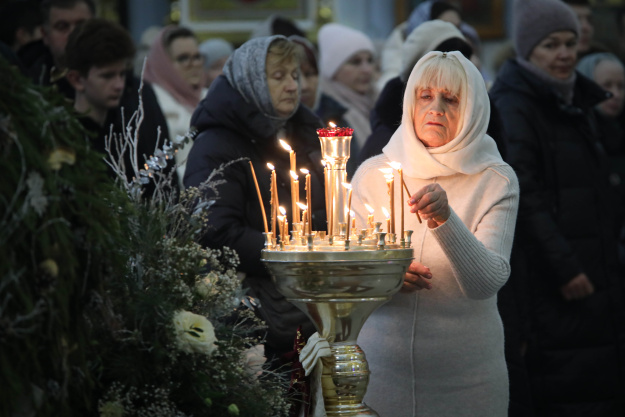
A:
x: 515, y: 301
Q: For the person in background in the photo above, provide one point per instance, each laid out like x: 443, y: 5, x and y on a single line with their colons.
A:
x: 98, y: 56
x: 437, y: 347
x: 143, y: 48
x: 609, y: 73
x: 586, y: 43
x: 216, y: 52
x: 20, y: 29
x: 309, y: 72
x: 245, y: 113
x: 174, y: 68
x: 391, y: 54
x: 573, y: 338
x: 60, y: 17
x: 277, y: 25
x: 346, y: 62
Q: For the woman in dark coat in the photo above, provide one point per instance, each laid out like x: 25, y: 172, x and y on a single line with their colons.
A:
x: 575, y: 347
x: 255, y: 103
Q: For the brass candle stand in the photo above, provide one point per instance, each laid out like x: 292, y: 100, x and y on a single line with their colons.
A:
x: 338, y: 280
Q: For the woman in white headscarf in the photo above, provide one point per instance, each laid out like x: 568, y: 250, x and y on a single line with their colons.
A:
x: 436, y: 349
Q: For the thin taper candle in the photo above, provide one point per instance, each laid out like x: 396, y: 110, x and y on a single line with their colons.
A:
x: 260, y: 198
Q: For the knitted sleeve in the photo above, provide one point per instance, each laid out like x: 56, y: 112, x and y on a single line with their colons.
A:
x: 481, y: 260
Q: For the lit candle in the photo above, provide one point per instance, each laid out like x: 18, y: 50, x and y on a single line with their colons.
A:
x: 308, y: 199
x: 370, y: 216
x: 274, y: 199
x: 390, y: 182
x: 304, y: 209
x: 295, y: 197
x: 291, y: 154
x: 397, y: 166
x: 283, y: 229
x: 349, y: 205
x: 388, y: 219
x: 260, y: 198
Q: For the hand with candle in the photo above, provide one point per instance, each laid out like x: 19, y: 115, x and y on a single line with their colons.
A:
x: 431, y: 203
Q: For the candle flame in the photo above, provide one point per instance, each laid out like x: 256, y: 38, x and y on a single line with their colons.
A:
x: 270, y: 165
x: 351, y: 213
x: 294, y: 175
x: 395, y: 165
x: 302, y: 206
x: 323, y: 163
x: 285, y: 145
x: 304, y: 171
x: 331, y: 124
x: 348, y: 186
x: 369, y: 208
x: 347, y: 211
x: 389, y: 177
x: 280, y: 218
x: 386, y: 213
x: 386, y: 171
x: 282, y: 210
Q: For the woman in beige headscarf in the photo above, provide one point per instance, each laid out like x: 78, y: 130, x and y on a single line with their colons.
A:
x: 436, y: 349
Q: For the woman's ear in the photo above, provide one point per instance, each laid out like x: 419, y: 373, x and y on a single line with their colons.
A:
x: 76, y: 80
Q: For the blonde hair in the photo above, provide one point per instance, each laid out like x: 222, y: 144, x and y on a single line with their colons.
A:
x: 286, y: 51
x: 442, y: 72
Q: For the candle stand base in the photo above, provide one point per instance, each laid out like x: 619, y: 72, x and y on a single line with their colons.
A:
x: 339, y: 289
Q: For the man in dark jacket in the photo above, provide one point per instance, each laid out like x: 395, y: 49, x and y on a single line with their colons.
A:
x: 574, y: 338
x: 245, y: 112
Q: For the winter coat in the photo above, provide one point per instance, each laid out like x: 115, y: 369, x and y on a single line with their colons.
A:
x: 576, y: 349
x: 231, y: 128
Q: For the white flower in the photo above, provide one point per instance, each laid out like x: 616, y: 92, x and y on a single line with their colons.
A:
x: 254, y: 360
x: 206, y: 286
x: 194, y: 333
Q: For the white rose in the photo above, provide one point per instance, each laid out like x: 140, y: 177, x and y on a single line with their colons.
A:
x: 194, y: 333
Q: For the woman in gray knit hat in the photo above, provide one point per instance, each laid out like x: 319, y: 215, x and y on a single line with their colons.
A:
x: 574, y: 339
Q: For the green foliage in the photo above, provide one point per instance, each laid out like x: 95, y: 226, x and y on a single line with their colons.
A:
x: 93, y: 275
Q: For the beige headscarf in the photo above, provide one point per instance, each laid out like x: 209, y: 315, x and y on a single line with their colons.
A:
x: 470, y: 152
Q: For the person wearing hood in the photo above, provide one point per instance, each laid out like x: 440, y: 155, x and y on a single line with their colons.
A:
x: 573, y: 339
x: 433, y: 35
x: 174, y: 68
x: 245, y: 113
x: 437, y: 348
x: 346, y: 62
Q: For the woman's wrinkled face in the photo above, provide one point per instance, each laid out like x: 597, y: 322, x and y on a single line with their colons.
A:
x: 282, y: 80
x: 436, y: 116
x: 187, y: 60
x: 310, y: 83
x: 611, y: 77
x: 556, y: 54
x: 357, y: 72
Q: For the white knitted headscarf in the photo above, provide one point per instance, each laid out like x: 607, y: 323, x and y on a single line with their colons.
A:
x: 470, y: 152
x: 337, y: 43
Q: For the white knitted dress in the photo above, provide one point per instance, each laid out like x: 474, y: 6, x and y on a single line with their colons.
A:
x: 440, y: 352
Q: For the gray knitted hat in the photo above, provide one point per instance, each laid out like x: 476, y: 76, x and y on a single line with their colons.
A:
x: 534, y: 20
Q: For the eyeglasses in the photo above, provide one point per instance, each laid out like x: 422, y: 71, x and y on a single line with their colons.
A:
x: 186, y: 59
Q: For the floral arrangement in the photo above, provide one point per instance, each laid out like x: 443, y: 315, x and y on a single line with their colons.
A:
x: 108, y: 305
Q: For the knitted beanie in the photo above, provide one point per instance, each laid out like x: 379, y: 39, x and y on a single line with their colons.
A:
x: 425, y: 38
x: 337, y: 43
x: 534, y: 20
